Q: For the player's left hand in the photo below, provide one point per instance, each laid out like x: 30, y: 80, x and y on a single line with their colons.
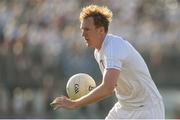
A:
x: 62, y: 102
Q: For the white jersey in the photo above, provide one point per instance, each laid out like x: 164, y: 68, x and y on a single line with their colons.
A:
x: 135, y: 87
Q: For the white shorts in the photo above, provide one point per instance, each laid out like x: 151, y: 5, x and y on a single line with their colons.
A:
x: 155, y: 111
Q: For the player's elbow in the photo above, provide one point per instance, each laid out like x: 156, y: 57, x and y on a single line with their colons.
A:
x: 108, y: 89
x: 110, y: 92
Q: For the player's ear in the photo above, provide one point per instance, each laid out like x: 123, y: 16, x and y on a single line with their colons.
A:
x: 101, y: 29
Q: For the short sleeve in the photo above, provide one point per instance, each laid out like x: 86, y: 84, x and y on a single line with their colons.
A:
x: 115, y: 54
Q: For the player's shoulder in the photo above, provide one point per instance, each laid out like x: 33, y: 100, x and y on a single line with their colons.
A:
x: 115, y: 39
x: 115, y: 46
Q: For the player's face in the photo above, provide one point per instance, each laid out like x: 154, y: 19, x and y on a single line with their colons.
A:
x: 90, y: 32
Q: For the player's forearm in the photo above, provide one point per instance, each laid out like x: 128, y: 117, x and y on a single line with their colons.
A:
x: 105, y: 89
x: 95, y: 95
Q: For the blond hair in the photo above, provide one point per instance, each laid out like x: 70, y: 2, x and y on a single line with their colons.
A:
x: 102, y: 15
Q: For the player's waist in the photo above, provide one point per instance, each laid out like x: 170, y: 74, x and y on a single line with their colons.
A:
x: 138, y: 106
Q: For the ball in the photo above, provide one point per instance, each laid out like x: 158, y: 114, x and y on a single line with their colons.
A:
x: 79, y: 85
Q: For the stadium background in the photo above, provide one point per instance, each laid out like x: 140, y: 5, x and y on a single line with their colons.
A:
x: 41, y: 47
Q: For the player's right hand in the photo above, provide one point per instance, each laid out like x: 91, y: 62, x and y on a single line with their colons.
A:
x: 62, y: 102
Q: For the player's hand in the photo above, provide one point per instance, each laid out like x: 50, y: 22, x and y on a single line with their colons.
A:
x: 62, y: 102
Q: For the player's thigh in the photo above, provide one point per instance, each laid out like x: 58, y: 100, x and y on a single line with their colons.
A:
x: 153, y: 112
x: 117, y: 112
x: 130, y: 114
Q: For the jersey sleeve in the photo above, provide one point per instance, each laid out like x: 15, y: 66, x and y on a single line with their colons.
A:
x: 115, y: 54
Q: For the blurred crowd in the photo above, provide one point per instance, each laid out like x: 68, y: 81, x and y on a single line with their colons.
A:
x: 41, y: 47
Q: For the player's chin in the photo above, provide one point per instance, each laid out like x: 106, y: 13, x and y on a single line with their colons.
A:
x: 88, y: 45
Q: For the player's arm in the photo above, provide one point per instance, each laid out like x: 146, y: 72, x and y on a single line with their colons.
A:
x: 105, y: 89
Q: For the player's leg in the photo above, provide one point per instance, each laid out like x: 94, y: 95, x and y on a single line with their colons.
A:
x: 112, y: 113
x: 117, y: 112
x: 154, y: 111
